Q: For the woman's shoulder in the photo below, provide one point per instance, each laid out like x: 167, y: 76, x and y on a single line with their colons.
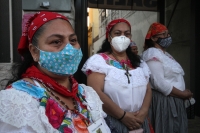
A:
x: 21, y: 110
x: 95, y: 63
x: 96, y: 58
x: 152, y: 53
x: 27, y: 86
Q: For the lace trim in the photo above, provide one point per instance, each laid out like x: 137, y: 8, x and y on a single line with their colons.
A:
x: 166, y: 59
x: 94, y: 104
x: 19, y: 109
x: 96, y: 63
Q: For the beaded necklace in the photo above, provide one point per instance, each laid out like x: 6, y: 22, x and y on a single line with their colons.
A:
x: 61, y: 102
x: 124, y: 65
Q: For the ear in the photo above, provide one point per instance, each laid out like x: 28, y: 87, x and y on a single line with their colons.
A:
x: 34, y: 52
x: 109, y: 38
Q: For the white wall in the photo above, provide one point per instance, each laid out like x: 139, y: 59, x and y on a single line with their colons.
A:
x: 140, y: 22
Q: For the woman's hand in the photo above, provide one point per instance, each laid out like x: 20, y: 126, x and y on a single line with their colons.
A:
x: 187, y: 94
x: 141, y: 116
x: 131, y: 121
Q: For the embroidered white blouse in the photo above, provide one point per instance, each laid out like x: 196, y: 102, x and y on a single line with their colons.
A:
x: 166, y: 72
x: 129, y: 97
x: 20, y: 112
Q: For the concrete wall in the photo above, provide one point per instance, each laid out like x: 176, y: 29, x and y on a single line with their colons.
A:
x: 140, y: 22
x: 180, y: 28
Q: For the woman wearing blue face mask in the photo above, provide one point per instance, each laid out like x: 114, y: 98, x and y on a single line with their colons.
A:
x: 43, y: 96
x: 167, y: 110
x: 121, y: 80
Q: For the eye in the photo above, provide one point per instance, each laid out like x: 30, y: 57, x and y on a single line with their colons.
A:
x: 56, y: 42
x: 128, y: 34
x: 117, y: 33
x: 73, y: 40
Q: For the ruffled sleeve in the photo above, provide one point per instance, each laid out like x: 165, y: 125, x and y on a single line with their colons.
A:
x: 94, y: 104
x: 152, y: 54
x: 20, y: 112
x: 145, y: 69
x: 95, y: 63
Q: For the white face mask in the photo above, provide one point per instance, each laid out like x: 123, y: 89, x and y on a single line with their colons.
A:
x: 120, y: 43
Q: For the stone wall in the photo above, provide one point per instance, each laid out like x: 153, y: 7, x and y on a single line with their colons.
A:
x: 4, y: 74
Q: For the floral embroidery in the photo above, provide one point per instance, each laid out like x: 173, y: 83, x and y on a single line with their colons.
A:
x: 54, y: 113
x: 65, y: 121
x: 115, y: 63
x: 80, y: 125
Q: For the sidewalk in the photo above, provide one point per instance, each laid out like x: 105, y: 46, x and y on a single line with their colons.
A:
x: 194, y: 125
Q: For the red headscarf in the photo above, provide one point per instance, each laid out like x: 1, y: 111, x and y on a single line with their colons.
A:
x: 154, y: 29
x: 113, y: 23
x: 32, y: 25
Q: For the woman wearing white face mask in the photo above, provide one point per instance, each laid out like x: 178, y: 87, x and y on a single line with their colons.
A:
x: 121, y: 80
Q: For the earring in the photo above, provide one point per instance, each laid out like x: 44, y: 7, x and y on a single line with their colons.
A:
x: 35, y: 59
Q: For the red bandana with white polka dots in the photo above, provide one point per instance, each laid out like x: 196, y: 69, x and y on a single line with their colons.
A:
x: 32, y: 25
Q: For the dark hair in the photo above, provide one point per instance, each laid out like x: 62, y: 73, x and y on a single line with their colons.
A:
x: 148, y: 44
x: 135, y: 59
x: 21, y: 66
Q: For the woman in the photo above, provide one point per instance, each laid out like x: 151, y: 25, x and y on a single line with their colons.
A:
x: 43, y: 96
x: 121, y: 80
x: 134, y: 47
x: 167, y: 110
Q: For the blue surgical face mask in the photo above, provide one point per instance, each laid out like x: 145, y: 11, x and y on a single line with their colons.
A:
x: 164, y: 42
x: 64, y: 62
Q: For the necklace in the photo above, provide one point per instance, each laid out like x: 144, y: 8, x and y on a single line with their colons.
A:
x: 61, y: 102
x: 124, y: 65
x: 75, y: 110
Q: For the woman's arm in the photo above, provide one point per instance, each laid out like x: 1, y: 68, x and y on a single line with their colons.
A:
x: 158, y: 80
x: 146, y: 103
x: 96, y: 81
x: 181, y: 94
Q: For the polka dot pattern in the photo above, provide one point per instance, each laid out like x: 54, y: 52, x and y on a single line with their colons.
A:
x: 64, y: 62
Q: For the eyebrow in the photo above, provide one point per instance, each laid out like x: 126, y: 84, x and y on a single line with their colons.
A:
x: 55, y: 35
x: 72, y: 35
x: 60, y: 36
x: 122, y: 31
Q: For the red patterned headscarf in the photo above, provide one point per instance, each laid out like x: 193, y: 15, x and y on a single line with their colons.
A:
x: 113, y: 23
x: 32, y: 25
x: 154, y: 29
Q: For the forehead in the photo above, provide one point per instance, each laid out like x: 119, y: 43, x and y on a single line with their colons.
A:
x: 59, y: 26
x: 165, y: 31
x: 121, y: 26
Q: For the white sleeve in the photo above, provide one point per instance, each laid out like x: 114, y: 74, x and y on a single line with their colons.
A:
x: 21, y: 113
x: 157, y: 77
x: 95, y: 63
x: 94, y: 105
x: 7, y: 128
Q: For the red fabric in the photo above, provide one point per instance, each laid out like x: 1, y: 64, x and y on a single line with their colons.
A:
x: 113, y: 23
x: 33, y: 73
x: 32, y: 25
x: 154, y: 29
